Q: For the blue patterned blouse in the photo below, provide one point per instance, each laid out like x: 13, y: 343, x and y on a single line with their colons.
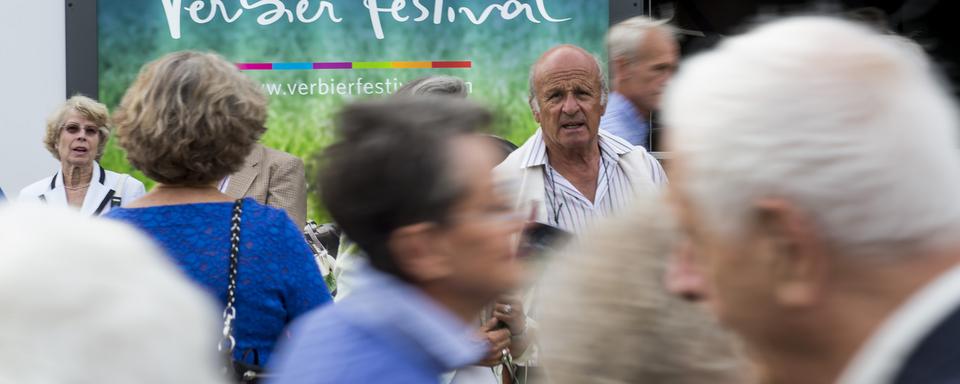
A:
x: 277, y: 277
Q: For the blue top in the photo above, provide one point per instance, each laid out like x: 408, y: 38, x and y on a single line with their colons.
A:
x: 622, y: 119
x: 386, y: 332
x: 277, y: 278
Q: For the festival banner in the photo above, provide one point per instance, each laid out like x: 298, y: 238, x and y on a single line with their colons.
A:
x: 313, y: 56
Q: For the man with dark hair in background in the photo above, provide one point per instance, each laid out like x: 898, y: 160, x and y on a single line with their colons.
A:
x: 409, y: 181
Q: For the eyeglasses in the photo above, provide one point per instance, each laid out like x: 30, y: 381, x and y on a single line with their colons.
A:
x: 498, y: 215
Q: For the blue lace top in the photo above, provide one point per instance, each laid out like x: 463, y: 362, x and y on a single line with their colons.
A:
x: 277, y: 277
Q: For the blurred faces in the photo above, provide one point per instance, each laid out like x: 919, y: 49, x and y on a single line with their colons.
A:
x: 734, y: 277
x: 478, y: 242
x: 567, y: 88
x: 79, y: 140
x: 642, y: 79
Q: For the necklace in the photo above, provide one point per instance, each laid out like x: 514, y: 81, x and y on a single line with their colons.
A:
x: 77, y: 188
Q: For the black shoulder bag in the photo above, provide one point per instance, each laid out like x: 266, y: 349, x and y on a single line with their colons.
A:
x: 238, y: 371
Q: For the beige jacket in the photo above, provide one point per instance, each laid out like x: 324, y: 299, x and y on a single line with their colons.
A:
x: 273, y: 178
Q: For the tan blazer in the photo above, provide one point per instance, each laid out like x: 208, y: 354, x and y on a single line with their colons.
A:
x: 273, y: 178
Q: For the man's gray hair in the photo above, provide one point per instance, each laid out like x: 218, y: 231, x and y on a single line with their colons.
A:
x: 532, y: 92
x: 775, y: 112
x: 438, y: 85
x: 625, y: 38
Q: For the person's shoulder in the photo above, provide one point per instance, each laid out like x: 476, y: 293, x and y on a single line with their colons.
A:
x: 271, y: 219
x: 280, y: 157
x: 637, y: 154
x: 112, y: 179
x: 327, y: 347
x: 511, y: 163
x: 931, y: 361
x: 515, y: 159
x: 262, y: 213
x: 35, y: 189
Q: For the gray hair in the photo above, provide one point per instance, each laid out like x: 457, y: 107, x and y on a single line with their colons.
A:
x: 621, y: 301
x: 532, y: 92
x: 93, y: 298
x: 775, y: 112
x: 625, y: 38
x: 437, y: 85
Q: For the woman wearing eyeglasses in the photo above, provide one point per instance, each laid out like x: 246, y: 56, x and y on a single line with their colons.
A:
x: 76, y: 136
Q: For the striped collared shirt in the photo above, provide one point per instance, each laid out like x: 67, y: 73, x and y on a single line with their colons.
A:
x: 567, y: 207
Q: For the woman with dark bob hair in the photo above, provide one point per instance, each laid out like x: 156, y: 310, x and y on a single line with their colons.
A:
x: 188, y: 121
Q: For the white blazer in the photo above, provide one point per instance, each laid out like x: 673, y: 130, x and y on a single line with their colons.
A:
x: 107, y: 190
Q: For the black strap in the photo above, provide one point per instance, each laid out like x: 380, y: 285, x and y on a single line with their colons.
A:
x: 227, y: 343
x: 106, y: 199
x: 115, y: 201
x: 234, y: 253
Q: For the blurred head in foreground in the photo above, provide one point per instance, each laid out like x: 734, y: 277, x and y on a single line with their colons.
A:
x: 409, y: 181
x: 83, y: 310
x: 453, y: 87
x: 608, y: 318
x: 435, y: 85
x: 816, y: 178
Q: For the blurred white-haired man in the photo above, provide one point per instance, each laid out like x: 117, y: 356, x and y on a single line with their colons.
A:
x: 816, y: 175
x: 78, y: 309
x: 643, y: 55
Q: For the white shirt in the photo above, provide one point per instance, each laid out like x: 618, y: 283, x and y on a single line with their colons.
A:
x: 882, y: 356
x: 105, y: 186
x: 567, y: 208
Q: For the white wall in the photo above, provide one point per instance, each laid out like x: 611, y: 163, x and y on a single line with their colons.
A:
x: 32, y: 83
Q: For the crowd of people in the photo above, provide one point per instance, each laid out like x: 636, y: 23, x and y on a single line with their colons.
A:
x: 807, y: 233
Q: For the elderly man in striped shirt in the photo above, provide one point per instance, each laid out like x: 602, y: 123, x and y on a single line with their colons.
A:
x: 570, y: 172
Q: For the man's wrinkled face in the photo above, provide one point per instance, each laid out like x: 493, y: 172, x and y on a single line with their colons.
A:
x: 568, y: 90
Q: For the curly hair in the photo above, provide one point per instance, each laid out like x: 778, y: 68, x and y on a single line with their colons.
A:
x: 90, y: 109
x: 190, y: 118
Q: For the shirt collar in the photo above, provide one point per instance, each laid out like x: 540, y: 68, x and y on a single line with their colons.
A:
x: 882, y: 356
x: 386, y: 304
x: 611, y: 148
x: 98, y: 173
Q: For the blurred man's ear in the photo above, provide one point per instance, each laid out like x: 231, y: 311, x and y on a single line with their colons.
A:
x: 414, y: 249
x: 620, y: 68
x: 794, y: 251
x: 683, y: 277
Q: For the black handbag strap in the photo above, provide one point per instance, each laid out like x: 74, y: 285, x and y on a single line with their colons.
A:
x: 228, y: 343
